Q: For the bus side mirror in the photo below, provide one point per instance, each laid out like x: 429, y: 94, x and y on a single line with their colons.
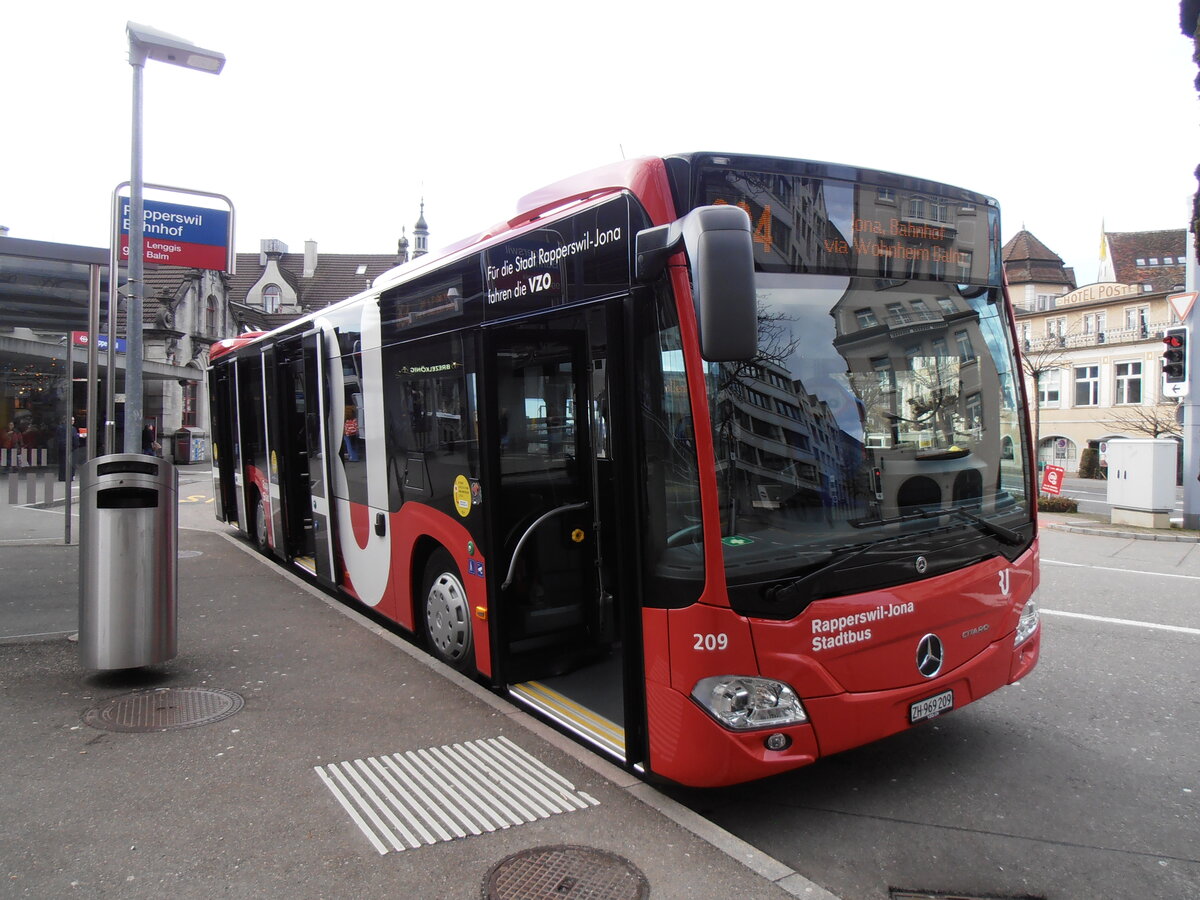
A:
x: 721, y: 258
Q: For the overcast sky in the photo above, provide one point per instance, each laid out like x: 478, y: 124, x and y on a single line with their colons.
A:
x: 331, y: 121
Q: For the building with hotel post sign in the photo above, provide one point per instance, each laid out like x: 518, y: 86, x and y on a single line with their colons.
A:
x: 1093, y: 354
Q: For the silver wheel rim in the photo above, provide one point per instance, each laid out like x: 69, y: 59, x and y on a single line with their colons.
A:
x: 260, y: 527
x: 448, y: 618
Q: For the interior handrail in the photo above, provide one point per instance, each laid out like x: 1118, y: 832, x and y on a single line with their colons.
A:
x: 512, y: 566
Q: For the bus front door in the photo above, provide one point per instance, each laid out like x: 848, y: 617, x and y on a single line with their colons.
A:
x: 559, y: 635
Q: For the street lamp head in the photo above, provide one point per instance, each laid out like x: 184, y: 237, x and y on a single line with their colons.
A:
x: 150, y: 43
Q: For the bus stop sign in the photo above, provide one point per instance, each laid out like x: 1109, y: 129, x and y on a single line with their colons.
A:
x: 193, y: 236
x: 1052, y: 479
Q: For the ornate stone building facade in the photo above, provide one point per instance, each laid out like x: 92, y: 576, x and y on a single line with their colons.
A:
x: 1092, y: 354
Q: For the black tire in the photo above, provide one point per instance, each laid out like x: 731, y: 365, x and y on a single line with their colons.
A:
x: 446, y: 613
x: 258, y: 524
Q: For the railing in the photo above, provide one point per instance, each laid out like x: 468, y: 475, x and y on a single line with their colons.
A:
x: 1150, y: 332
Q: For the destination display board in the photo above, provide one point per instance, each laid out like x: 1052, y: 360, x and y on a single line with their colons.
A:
x: 911, y: 231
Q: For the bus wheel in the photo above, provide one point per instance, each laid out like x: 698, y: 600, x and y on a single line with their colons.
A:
x: 446, y: 613
x: 260, y: 524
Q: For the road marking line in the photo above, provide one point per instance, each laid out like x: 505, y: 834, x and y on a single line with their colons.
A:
x: 1111, y: 621
x: 1059, y: 562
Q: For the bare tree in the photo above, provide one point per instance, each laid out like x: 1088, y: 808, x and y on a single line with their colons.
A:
x: 1039, y: 357
x: 1156, y: 421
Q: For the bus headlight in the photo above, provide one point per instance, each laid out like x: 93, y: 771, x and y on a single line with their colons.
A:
x: 742, y: 702
x: 1028, y: 622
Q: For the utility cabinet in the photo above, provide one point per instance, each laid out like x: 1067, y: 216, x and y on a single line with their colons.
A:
x: 1141, y: 482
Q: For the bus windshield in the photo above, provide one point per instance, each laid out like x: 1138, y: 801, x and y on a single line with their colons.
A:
x: 875, y: 410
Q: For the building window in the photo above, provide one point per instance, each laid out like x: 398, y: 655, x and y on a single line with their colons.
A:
x: 1129, y: 382
x: 1049, y: 385
x: 1087, y: 385
x: 866, y: 318
x: 887, y: 251
x: 974, y: 411
x: 965, y: 350
x: 965, y: 261
x: 885, y: 195
x: 883, y: 371
x: 1136, y: 318
x: 188, y: 413
x: 1094, y: 324
x: 272, y: 298
x: 210, y: 315
x: 1141, y: 261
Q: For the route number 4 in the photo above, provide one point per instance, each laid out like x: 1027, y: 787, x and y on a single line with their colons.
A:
x: 762, y: 228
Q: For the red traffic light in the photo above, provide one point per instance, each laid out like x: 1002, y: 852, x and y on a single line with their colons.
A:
x: 1174, y: 358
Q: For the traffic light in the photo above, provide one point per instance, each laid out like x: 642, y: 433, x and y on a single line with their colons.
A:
x: 1174, y: 358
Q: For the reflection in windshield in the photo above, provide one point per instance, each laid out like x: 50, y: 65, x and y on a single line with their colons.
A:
x: 870, y: 400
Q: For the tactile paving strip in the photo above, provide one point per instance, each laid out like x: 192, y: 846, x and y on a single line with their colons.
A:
x: 412, y: 799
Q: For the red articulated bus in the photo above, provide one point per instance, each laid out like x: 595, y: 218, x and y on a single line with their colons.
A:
x: 718, y: 462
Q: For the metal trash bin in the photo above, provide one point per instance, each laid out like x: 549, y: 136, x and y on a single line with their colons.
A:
x: 128, y: 576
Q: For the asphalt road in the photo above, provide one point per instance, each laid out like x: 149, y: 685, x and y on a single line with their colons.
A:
x: 1081, y: 782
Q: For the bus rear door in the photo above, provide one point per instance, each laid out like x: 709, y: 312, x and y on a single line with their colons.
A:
x: 301, y: 456
x: 222, y: 397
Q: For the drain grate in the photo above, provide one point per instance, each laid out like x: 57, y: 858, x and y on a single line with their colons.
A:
x: 565, y: 873
x: 164, y: 709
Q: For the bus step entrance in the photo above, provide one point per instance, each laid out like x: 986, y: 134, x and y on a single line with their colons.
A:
x: 553, y: 698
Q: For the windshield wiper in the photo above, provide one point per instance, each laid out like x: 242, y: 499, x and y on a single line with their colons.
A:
x: 781, y: 593
x: 1006, y: 534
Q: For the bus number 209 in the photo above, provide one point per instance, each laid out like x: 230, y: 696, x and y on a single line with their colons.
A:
x: 711, y: 641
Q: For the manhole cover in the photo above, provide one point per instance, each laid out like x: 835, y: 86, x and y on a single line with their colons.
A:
x: 164, y: 709
x: 565, y: 873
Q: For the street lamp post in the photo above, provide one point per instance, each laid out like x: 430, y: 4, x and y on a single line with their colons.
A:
x: 146, y: 43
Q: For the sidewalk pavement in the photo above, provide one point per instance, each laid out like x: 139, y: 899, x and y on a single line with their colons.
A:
x: 1084, y: 524
x: 243, y: 802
